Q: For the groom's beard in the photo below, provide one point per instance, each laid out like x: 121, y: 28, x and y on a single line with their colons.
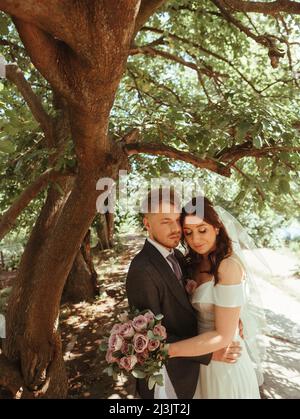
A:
x: 170, y: 242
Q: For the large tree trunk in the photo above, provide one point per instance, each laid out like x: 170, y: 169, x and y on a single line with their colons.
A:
x: 16, y: 345
x: 81, y: 50
x: 32, y: 318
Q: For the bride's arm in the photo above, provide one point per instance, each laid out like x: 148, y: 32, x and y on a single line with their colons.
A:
x: 226, y: 320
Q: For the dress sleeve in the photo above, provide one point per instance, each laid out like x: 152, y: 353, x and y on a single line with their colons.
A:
x: 229, y: 295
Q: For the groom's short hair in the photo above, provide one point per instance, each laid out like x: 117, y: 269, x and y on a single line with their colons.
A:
x: 156, y: 197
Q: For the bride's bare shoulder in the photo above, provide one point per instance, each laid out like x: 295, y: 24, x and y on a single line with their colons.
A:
x: 230, y: 271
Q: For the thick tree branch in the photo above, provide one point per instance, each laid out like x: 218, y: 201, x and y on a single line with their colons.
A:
x: 148, y: 50
x: 46, y: 15
x: 173, y: 153
x: 9, y: 217
x: 147, y: 9
x: 15, y: 75
x: 232, y: 156
x: 267, y: 41
x: 94, y: 20
x: 269, y: 8
x: 30, y: 9
x: 45, y: 53
x: 237, y: 23
x: 205, y: 50
x: 76, y: 63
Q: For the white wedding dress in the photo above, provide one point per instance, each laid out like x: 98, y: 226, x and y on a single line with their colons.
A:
x: 220, y: 380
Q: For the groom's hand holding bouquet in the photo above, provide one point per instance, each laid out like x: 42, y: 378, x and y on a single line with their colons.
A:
x: 137, y: 346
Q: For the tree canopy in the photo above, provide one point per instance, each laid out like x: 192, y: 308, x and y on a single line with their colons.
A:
x: 203, y: 83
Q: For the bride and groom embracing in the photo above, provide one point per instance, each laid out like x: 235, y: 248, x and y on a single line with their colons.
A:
x: 203, y: 296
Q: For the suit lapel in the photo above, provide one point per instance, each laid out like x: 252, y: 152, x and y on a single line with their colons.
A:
x: 168, y: 276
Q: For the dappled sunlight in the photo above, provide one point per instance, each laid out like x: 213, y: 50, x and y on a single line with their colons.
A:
x: 281, y: 370
x: 85, y: 324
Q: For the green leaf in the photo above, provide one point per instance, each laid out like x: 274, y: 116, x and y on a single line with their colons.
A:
x: 150, y: 334
x: 159, y: 317
x: 222, y: 122
x: 151, y: 324
x: 165, y: 350
x: 257, y: 129
x: 103, y: 346
x: 284, y: 156
x: 262, y: 163
x: 284, y: 186
x: 11, y: 129
x: 138, y: 373
x: 258, y: 142
x: 3, y: 26
x: 288, y: 136
x: 6, y: 145
x: 159, y: 379
x: 242, y: 129
x: 151, y: 382
x: 115, y: 375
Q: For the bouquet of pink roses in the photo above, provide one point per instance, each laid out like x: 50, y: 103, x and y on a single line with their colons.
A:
x: 137, y: 346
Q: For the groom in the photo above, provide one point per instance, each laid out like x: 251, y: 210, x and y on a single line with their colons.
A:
x: 156, y: 281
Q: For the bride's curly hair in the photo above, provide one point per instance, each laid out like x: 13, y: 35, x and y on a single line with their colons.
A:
x: 223, y: 244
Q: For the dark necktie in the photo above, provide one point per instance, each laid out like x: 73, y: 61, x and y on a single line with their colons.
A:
x: 176, y: 267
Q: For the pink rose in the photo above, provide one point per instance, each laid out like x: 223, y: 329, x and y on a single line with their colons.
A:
x: 140, y: 343
x: 128, y: 362
x: 142, y: 357
x: 153, y: 345
x: 127, y: 331
x: 116, y: 329
x: 140, y: 323
x: 110, y: 359
x: 160, y: 330
x: 149, y: 316
x: 115, y: 342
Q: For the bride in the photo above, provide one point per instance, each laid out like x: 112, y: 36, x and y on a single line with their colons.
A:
x: 222, y: 292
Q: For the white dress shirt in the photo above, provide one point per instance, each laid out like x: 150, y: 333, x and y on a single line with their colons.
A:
x: 167, y: 390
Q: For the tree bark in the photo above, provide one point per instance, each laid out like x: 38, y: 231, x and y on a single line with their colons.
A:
x: 82, y: 284
x: 110, y: 221
x: 105, y: 231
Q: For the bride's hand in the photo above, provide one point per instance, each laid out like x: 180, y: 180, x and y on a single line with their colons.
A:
x: 190, y: 287
x: 230, y: 354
